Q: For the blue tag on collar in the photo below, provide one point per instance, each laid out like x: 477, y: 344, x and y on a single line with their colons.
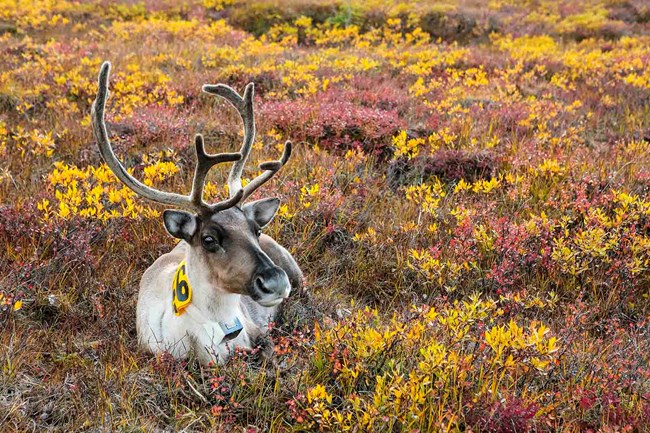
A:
x: 231, y: 331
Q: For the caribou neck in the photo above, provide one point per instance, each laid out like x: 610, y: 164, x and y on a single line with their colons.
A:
x: 215, y: 302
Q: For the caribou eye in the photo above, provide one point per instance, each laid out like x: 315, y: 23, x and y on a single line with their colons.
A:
x: 258, y: 232
x: 210, y: 243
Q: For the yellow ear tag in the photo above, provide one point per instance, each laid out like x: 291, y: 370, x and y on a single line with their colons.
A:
x: 181, y: 289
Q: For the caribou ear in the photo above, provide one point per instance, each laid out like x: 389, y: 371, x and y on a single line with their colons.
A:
x: 180, y: 224
x: 262, y: 211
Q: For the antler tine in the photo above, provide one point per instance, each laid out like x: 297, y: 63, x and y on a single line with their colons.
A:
x: 244, y: 106
x: 204, y: 162
x: 270, y: 167
x: 228, y: 203
x: 101, y: 135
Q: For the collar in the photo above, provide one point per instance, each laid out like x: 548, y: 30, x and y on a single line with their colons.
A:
x: 182, y: 297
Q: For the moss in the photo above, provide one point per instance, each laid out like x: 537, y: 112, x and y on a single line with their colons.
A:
x: 6, y: 27
x: 454, y: 26
x: 446, y: 165
x: 257, y: 19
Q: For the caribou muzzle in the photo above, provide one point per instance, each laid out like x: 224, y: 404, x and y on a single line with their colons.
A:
x: 270, y: 286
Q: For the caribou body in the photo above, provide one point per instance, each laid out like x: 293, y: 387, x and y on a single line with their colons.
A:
x: 222, y: 284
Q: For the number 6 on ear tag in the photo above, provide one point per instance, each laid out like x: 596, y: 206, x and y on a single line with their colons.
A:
x: 182, y: 292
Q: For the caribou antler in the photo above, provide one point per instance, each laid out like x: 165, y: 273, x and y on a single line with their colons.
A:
x: 244, y: 106
x: 204, y: 162
x: 203, y: 165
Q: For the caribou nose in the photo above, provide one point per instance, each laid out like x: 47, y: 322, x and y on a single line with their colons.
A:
x: 261, y: 286
x: 273, y: 281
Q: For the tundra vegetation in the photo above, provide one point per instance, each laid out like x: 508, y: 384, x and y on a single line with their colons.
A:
x: 469, y: 200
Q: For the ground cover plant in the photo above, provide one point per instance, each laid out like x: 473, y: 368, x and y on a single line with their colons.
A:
x: 469, y: 199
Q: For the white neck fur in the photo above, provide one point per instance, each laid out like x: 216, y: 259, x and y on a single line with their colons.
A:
x: 214, y: 302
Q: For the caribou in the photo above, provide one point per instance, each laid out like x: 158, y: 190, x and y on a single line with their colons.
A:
x: 222, y: 284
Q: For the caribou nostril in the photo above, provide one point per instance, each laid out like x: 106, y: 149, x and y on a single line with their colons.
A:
x: 259, y: 285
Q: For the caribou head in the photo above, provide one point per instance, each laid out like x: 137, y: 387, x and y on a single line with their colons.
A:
x: 221, y: 257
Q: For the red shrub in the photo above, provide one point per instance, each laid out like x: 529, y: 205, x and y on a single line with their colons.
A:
x: 509, y: 416
x: 334, y: 125
x: 159, y: 124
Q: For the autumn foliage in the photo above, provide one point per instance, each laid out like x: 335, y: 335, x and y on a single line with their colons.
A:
x: 469, y: 199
